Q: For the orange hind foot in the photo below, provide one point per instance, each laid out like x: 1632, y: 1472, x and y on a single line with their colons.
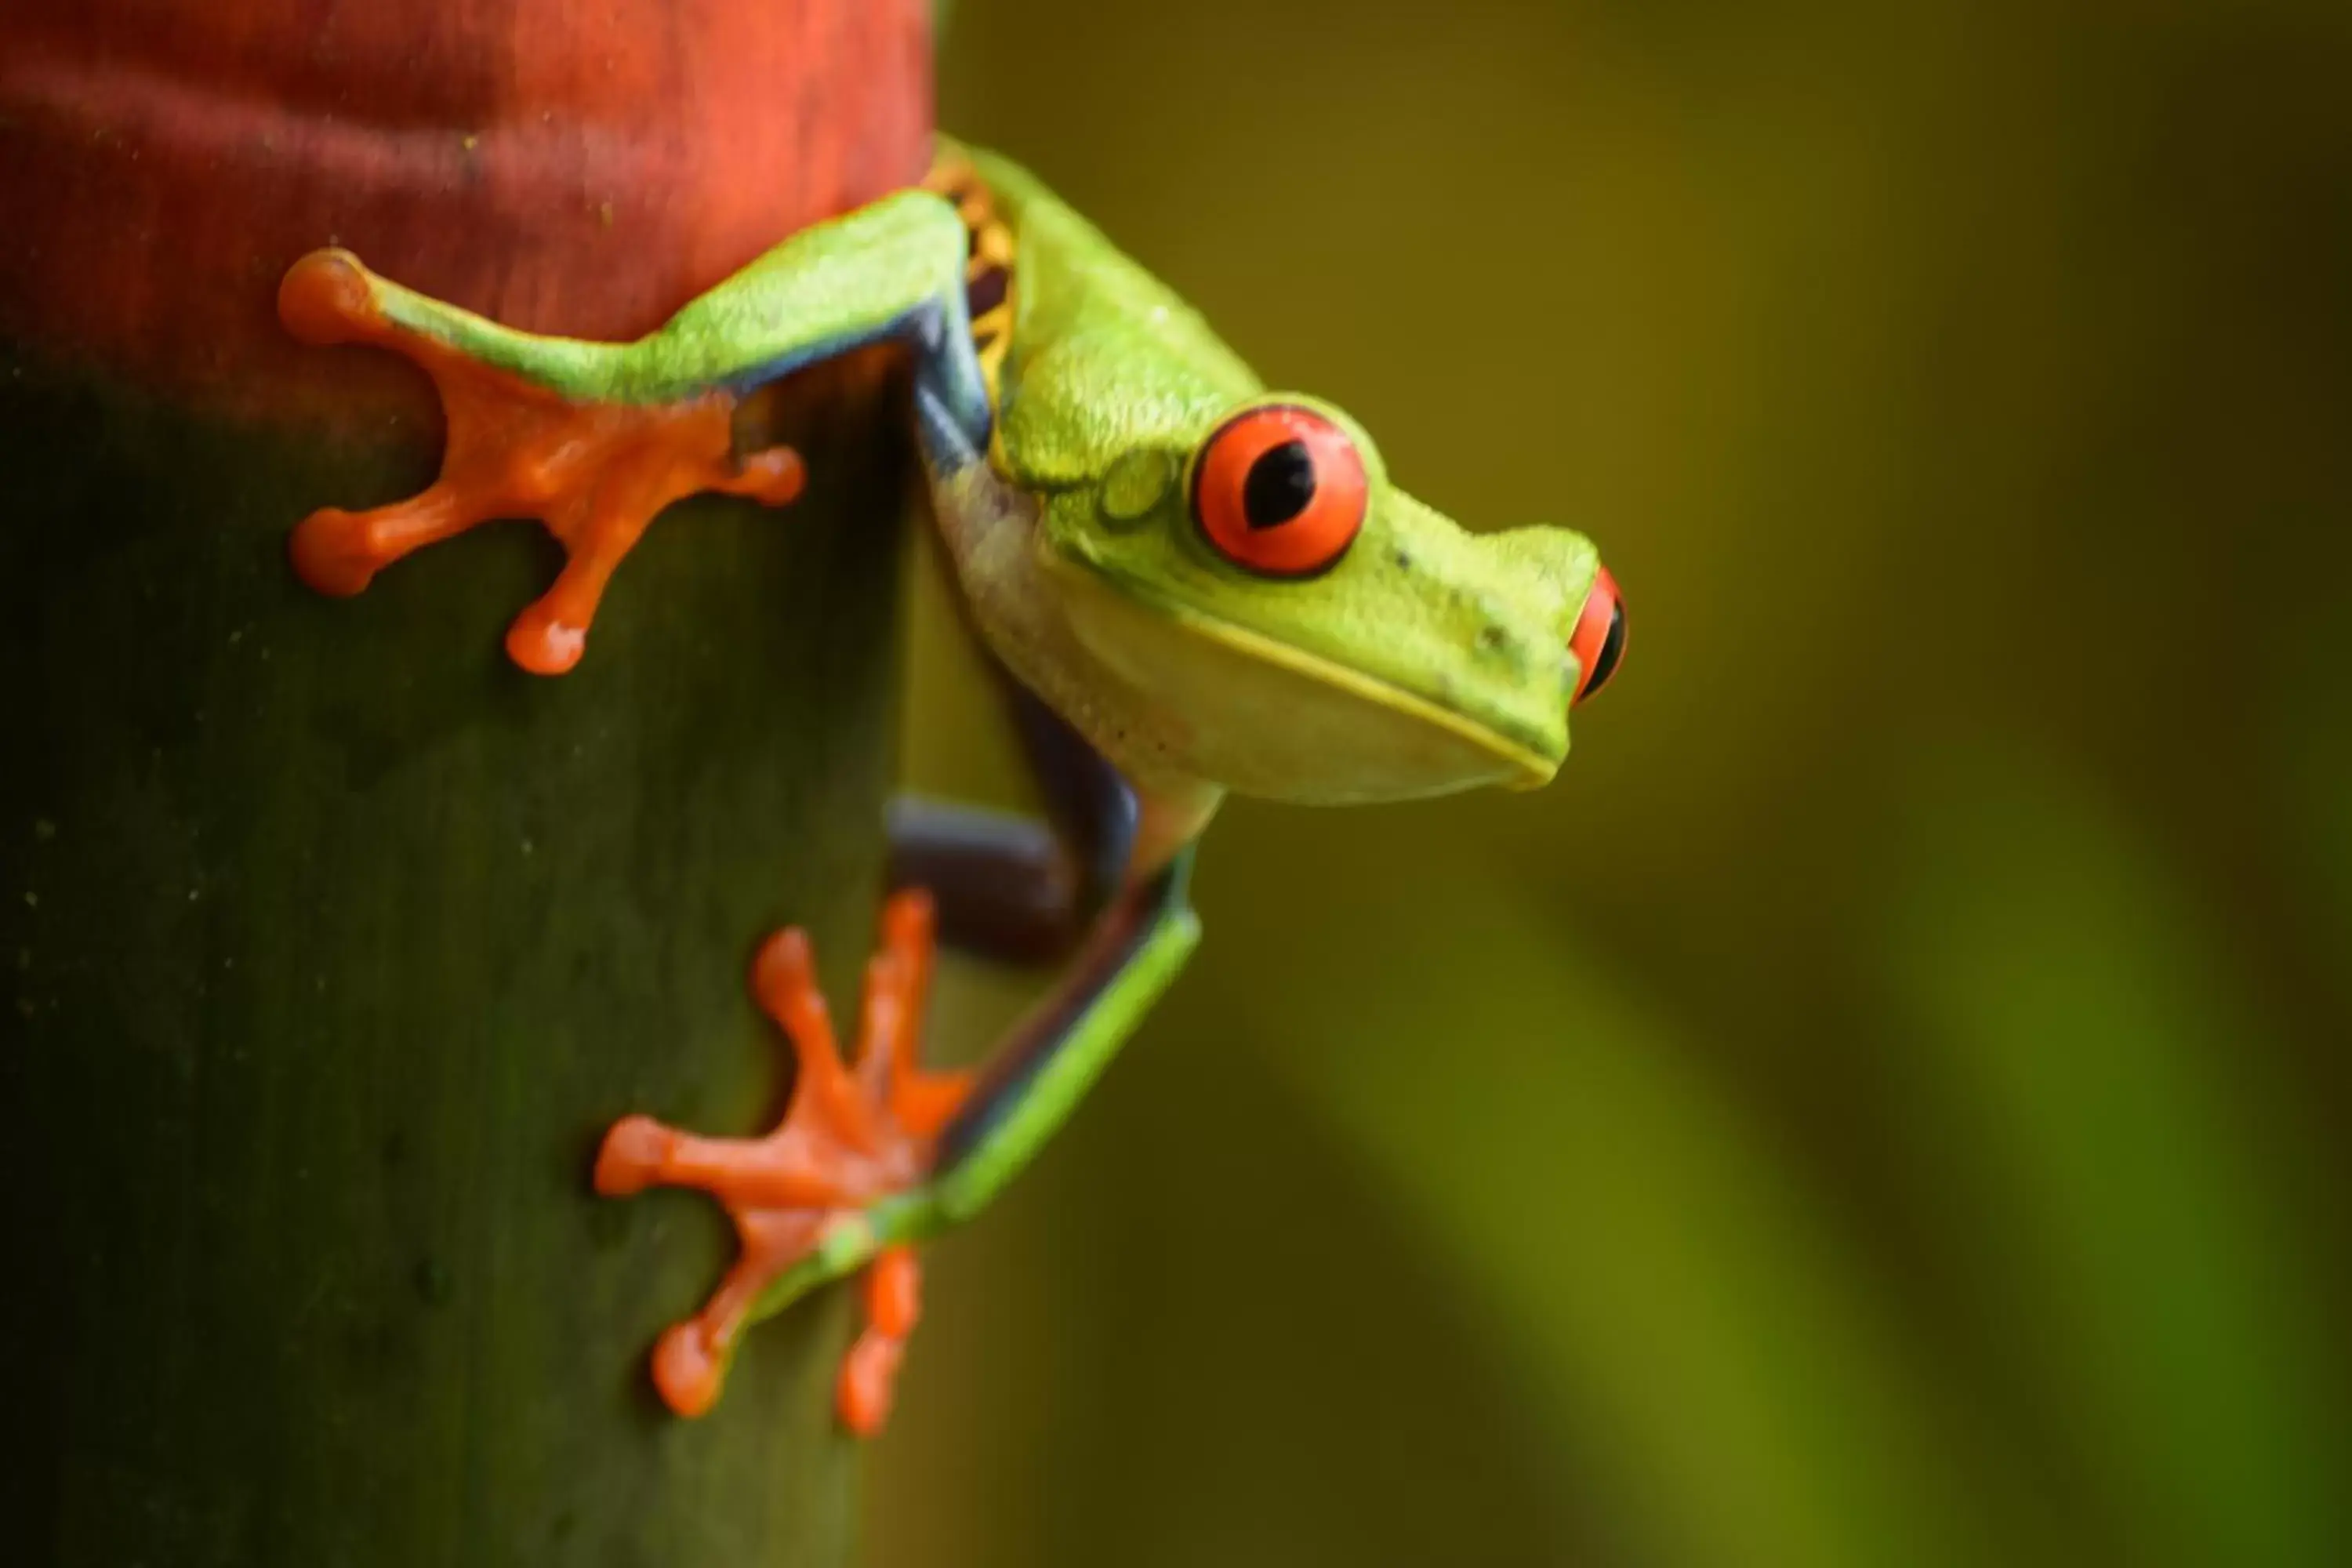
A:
x: 853, y: 1135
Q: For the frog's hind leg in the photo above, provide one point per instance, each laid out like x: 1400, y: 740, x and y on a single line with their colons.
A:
x: 537, y: 428
x: 836, y: 1187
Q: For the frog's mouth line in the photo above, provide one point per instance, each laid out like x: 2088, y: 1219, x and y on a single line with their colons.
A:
x: 1534, y: 769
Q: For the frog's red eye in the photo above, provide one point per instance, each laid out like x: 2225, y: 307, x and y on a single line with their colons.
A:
x: 1599, y: 640
x: 1280, y: 490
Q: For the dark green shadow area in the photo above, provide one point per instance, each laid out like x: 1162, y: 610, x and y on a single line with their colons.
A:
x: 334, y: 942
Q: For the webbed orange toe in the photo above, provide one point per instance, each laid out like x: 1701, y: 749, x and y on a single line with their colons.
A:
x: 630, y: 1159
x: 686, y: 1372
x: 331, y: 552
x: 326, y: 298
x: 867, y: 1386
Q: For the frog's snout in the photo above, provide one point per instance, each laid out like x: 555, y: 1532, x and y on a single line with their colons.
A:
x: 1598, y: 643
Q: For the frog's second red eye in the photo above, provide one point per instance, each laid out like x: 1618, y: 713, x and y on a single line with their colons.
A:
x: 1599, y: 640
x: 1280, y: 490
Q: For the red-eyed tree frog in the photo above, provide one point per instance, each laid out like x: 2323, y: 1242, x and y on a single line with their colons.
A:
x: 1192, y: 584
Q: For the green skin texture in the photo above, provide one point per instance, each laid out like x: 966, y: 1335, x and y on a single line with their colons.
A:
x: 1427, y: 661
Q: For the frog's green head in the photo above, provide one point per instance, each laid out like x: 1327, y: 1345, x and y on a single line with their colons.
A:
x: 1296, y: 626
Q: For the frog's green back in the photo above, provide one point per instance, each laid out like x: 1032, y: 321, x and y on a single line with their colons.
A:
x: 1104, y: 356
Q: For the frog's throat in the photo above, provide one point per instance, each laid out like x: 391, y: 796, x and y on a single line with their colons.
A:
x: 1534, y: 769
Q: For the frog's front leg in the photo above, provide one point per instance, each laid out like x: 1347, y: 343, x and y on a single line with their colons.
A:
x: 594, y: 439
x: 594, y: 472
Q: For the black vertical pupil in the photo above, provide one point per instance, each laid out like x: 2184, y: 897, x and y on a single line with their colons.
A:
x: 1280, y: 485
x: 1613, y: 648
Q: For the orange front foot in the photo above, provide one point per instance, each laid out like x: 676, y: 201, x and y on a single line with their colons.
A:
x: 853, y: 1135
x: 594, y: 473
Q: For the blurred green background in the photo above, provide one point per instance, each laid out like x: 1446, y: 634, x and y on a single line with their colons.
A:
x: 1885, y: 1102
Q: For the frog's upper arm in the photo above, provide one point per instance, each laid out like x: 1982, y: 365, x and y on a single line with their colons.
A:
x: 860, y: 277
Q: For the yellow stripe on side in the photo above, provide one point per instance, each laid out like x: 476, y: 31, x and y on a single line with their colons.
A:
x: 988, y: 269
